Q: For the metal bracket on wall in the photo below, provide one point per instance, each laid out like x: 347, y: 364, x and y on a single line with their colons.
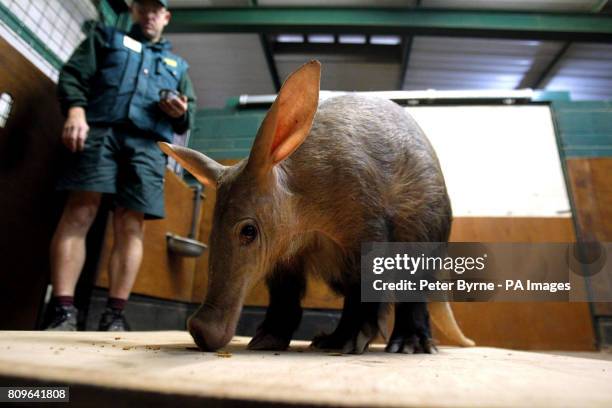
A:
x: 6, y: 104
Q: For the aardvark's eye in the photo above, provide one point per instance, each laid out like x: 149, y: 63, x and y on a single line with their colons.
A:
x: 248, y: 233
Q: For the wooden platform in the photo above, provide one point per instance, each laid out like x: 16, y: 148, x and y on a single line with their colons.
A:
x: 165, y: 368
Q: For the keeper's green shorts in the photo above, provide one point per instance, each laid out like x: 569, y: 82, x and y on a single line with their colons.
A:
x: 123, y: 162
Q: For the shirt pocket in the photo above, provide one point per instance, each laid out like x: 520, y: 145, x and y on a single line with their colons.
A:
x: 167, y: 77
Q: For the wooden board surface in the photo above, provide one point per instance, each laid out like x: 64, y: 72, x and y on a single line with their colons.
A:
x: 163, y: 363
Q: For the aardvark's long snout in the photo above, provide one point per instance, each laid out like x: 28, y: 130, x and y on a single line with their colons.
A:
x: 212, y: 328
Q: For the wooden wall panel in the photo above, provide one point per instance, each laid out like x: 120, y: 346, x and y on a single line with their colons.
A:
x: 162, y: 274
x: 523, y: 325
x: 591, y: 186
x: 526, y: 326
x: 30, y: 152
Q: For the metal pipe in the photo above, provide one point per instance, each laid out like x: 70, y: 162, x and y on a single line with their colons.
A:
x: 404, y: 97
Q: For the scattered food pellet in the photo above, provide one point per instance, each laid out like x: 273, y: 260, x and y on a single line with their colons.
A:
x: 277, y: 354
x: 224, y: 354
x: 126, y: 347
x: 117, y: 338
x: 153, y: 347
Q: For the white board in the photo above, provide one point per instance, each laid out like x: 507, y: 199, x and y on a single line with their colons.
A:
x: 497, y: 160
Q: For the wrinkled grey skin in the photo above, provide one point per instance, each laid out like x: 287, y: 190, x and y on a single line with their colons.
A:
x: 366, y: 172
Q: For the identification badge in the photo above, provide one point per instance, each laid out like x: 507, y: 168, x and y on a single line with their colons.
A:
x: 170, y: 62
x: 132, y: 44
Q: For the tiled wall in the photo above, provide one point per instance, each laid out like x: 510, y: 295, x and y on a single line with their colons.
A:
x: 585, y: 128
x: 57, y: 23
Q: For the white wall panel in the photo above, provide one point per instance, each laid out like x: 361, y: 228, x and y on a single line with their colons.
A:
x: 497, y: 161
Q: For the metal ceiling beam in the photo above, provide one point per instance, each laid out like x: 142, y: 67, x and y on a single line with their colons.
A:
x: 269, y: 55
x: 464, y: 23
x: 270, y: 61
x: 601, y: 6
x: 545, y: 76
x: 541, y: 80
x: 406, y: 50
x: 118, y: 6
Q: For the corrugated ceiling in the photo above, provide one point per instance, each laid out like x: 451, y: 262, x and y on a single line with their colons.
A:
x: 226, y: 65
x: 471, y: 63
x: 585, y: 70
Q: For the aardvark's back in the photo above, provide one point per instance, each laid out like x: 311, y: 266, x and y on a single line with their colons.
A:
x: 366, y: 159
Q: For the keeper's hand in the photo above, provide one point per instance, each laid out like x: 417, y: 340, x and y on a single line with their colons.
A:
x: 75, y: 129
x: 175, y: 107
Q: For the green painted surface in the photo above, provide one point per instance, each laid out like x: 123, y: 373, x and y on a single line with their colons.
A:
x: 584, y: 128
x: 124, y: 22
x: 107, y: 14
x: 225, y: 133
x: 550, y: 96
x: 594, y: 27
x: 110, y: 17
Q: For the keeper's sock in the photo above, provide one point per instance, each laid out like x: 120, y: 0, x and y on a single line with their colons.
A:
x: 117, y: 304
x: 63, y: 300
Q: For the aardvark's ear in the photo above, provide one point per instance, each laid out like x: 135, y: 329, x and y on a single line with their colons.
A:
x: 205, y: 169
x: 288, y: 122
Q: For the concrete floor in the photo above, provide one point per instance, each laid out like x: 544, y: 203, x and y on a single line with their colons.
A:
x: 164, y: 368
